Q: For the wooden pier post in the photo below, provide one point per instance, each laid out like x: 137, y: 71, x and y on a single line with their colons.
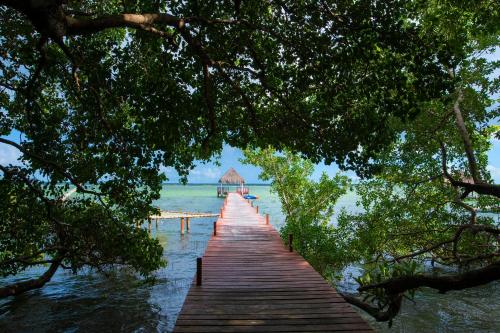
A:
x: 182, y: 226
x: 267, y: 218
x: 251, y: 203
x: 276, y: 300
x: 149, y: 224
x: 156, y: 222
x: 257, y: 209
x: 221, y: 213
x: 198, y: 271
x: 290, y: 242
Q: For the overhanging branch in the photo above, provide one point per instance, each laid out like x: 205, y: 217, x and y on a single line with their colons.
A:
x: 21, y: 287
x: 53, y: 165
x: 443, y: 284
x: 480, y: 188
x: 379, y: 315
x: 81, y: 26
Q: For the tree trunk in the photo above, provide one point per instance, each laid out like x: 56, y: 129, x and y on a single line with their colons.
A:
x: 21, y: 287
x: 469, y: 151
x: 443, y: 284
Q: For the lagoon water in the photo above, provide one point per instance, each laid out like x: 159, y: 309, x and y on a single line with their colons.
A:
x: 89, y: 302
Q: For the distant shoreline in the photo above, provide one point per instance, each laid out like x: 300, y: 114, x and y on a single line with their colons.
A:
x: 215, y: 184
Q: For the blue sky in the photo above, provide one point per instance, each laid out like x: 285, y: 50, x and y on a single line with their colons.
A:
x: 230, y: 157
x: 210, y: 173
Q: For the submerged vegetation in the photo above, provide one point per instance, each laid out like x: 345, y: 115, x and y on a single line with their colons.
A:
x: 98, y: 95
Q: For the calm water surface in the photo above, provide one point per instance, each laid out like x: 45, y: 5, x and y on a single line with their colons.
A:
x: 89, y: 302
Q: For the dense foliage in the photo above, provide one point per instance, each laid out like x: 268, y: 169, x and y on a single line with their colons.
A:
x: 102, y: 93
x: 430, y: 215
x: 434, y: 203
x: 306, y: 204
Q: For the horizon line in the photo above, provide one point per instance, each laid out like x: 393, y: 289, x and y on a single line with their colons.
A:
x: 217, y: 183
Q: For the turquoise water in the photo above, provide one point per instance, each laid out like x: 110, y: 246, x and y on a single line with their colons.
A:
x: 89, y: 302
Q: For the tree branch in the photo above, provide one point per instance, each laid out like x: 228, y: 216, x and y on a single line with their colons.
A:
x: 469, y: 208
x: 54, y: 165
x: 21, y: 287
x: 474, y: 228
x: 375, y: 312
x: 443, y: 284
x: 200, y: 51
x: 480, y: 188
x: 28, y: 257
x: 464, y: 134
x: 82, y: 26
x: 8, y: 86
x: 426, y: 250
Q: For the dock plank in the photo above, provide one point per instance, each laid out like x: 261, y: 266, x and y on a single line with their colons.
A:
x: 252, y: 283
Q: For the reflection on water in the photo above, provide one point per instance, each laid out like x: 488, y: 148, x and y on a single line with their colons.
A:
x: 122, y: 303
x: 473, y: 310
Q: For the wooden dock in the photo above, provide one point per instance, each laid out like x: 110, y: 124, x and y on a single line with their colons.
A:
x: 252, y: 283
x: 168, y: 214
x: 182, y: 216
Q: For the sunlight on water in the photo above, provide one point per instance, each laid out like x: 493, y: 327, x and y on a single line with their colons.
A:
x: 122, y: 303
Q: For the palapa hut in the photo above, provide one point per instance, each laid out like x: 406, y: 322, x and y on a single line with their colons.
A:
x: 231, y: 180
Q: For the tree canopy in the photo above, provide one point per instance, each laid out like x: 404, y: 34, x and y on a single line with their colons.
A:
x: 430, y: 214
x: 104, y: 93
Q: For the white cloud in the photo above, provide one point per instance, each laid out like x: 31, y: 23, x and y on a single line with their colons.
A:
x: 9, y: 155
x: 354, y: 178
x: 200, y: 174
x: 495, y: 171
x: 205, y: 173
x: 231, y: 150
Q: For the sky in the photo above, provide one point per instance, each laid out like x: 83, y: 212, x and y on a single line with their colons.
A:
x: 210, y: 172
x: 230, y: 157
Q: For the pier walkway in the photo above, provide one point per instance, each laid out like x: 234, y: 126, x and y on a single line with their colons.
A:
x: 252, y: 283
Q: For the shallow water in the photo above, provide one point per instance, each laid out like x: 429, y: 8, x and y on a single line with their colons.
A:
x: 121, y: 303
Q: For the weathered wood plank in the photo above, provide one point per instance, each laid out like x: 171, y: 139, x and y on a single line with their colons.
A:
x: 252, y: 283
x: 246, y: 316
x: 351, y: 327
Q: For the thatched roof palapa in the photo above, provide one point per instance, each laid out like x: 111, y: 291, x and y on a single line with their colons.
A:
x: 231, y: 177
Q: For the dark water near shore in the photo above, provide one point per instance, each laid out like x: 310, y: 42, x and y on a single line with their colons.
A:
x: 89, y: 302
